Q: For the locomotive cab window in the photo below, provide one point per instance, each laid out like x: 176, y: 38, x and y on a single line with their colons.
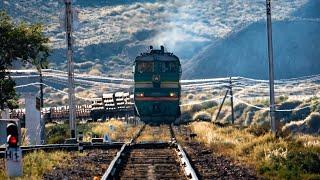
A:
x: 169, y: 67
x: 145, y: 67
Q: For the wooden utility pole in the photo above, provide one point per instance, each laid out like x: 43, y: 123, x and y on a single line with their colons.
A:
x: 224, y: 98
x: 68, y: 26
x: 271, y: 72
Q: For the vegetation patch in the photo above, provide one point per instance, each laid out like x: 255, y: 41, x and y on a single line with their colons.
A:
x: 155, y: 134
x: 35, y: 164
x: 116, y: 130
x: 291, y: 157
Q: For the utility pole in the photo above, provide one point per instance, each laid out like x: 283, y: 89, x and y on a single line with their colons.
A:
x: 41, y: 89
x: 271, y: 72
x: 231, y: 99
x: 68, y: 26
x: 224, y: 98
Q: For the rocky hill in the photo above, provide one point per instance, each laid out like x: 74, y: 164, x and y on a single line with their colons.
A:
x: 109, y: 34
x: 244, y: 53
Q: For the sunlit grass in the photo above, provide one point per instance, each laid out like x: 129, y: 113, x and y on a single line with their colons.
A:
x: 35, y: 164
x: 116, y: 130
x: 276, y: 158
x: 155, y: 134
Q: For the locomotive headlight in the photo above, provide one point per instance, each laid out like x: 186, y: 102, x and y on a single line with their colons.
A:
x: 140, y: 94
x: 172, y: 94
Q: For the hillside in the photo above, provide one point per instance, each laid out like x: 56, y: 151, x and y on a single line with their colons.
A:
x: 244, y: 53
x: 123, y: 28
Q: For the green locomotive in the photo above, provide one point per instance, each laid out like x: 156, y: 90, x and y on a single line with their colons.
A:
x: 157, y: 87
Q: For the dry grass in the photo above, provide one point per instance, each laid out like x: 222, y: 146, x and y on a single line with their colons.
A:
x: 116, y: 130
x: 37, y: 163
x: 273, y: 158
x: 155, y: 134
x: 202, y: 116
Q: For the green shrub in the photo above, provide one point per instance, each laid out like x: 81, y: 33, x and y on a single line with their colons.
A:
x: 282, y: 99
x: 313, y: 122
x: 300, y: 162
x: 209, y: 104
x: 300, y: 114
x: 202, y: 116
x: 56, y: 134
x: 186, y: 116
x: 286, y: 116
x: 190, y: 96
x: 196, y: 108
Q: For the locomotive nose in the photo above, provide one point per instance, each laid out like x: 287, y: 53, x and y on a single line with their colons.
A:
x: 158, y: 108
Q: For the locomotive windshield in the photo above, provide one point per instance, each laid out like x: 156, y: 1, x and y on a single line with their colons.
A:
x: 144, y: 67
x: 169, y: 67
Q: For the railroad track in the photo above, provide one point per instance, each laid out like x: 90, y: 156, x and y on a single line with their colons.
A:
x: 92, y: 164
x: 156, y: 160
x: 139, y: 159
x: 206, y: 163
x: 64, y: 147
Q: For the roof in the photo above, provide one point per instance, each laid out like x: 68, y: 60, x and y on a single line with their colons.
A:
x: 159, y: 55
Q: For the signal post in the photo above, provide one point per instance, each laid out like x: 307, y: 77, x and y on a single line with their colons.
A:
x: 13, y: 154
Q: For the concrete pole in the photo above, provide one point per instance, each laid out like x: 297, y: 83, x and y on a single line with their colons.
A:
x: 72, y: 109
x: 33, y: 120
x: 271, y: 72
x: 41, y: 89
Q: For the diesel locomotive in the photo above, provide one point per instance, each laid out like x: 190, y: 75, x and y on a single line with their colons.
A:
x: 157, y: 88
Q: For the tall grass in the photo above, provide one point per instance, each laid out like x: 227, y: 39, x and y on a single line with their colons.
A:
x: 37, y: 163
x: 293, y: 157
x: 116, y: 130
x: 155, y: 134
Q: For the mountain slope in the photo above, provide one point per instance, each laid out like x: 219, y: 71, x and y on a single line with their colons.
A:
x: 296, y: 50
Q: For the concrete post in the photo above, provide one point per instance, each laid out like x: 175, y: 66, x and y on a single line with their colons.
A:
x: 33, y: 120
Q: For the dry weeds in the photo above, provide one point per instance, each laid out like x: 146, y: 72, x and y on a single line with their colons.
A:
x: 37, y: 163
x: 263, y: 152
x: 155, y: 134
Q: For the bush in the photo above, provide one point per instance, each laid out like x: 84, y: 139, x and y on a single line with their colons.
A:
x: 209, y: 104
x: 300, y: 114
x: 317, y: 108
x: 287, y: 116
x: 56, y: 134
x: 282, y: 98
x: 190, y: 96
x: 298, y: 163
x: 259, y: 130
x: 202, y: 116
x: 186, y: 116
x: 249, y: 118
x: 311, y: 125
x: 196, y: 108
x: 261, y: 117
x: 37, y: 163
x: 238, y: 112
x: 313, y: 122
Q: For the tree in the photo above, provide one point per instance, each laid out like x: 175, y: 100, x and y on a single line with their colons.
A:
x: 21, y: 42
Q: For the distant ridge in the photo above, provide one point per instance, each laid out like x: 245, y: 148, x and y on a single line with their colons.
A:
x: 296, y: 50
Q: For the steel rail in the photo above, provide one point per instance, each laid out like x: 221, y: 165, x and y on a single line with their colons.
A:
x: 183, y: 158
x: 114, y: 165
